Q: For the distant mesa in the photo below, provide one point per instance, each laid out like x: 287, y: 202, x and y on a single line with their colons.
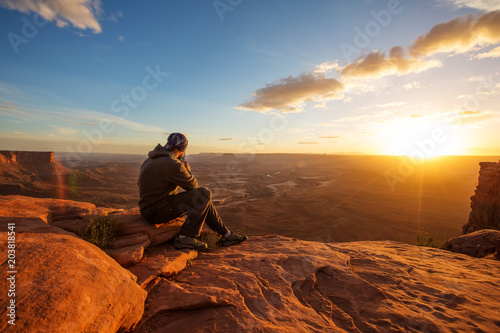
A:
x: 229, y: 156
x: 26, y: 157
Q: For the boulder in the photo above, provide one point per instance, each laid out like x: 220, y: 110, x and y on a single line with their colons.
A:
x: 134, y: 234
x: 47, y: 209
x: 134, y: 224
x: 278, y: 284
x: 64, y: 284
x: 477, y: 244
x: 496, y: 243
x: 129, y: 255
x: 161, y: 261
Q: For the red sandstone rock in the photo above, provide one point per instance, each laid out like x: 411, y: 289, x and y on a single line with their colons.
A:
x: 158, y: 234
x: 64, y: 284
x: 26, y: 157
x: 134, y: 233
x: 45, y: 208
x: 129, y: 255
x: 485, y: 203
x: 277, y: 284
x: 477, y: 244
x: 161, y: 261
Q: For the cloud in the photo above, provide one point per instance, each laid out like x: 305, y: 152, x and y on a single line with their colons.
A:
x: 65, y: 131
x: 412, y: 85
x: 115, y: 16
x: 307, y: 143
x: 327, y: 67
x: 495, y: 53
x: 474, y: 117
x: 390, y: 105
x: 332, y: 124
x: 77, y: 116
x: 468, y: 114
x: 121, y: 38
x: 459, y: 35
x: 487, y: 5
x: 289, y: 94
x: 330, y: 137
x: 226, y: 139
x: 80, y: 13
x: 377, y: 64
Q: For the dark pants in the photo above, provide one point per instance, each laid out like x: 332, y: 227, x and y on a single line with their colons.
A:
x: 197, y: 206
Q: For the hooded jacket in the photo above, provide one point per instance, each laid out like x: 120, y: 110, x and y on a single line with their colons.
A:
x: 160, y: 176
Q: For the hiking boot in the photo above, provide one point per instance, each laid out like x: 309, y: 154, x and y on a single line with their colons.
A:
x: 189, y: 243
x: 232, y: 239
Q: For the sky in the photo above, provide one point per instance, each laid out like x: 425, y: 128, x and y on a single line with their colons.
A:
x: 391, y: 77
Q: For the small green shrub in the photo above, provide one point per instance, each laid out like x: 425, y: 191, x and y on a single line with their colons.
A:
x: 101, y: 230
x: 426, y: 240
x: 211, y: 239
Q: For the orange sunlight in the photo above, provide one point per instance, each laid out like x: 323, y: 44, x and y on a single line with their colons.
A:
x: 422, y: 138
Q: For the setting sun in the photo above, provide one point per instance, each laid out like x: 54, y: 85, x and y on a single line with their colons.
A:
x: 422, y: 138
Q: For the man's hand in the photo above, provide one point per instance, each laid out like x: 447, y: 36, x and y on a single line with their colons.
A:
x: 186, y: 164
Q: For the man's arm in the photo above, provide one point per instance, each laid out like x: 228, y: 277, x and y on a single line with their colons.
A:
x: 183, y: 176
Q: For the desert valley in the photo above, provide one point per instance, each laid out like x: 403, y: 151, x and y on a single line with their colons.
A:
x: 326, y: 198
x: 331, y: 248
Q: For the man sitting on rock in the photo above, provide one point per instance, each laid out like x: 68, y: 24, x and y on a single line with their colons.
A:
x: 160, y: 176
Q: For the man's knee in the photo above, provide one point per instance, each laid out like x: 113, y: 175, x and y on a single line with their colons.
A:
x: 202, y: 197
x: 206, y: 192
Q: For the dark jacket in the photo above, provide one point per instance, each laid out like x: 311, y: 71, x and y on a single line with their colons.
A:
x: 160, y: 176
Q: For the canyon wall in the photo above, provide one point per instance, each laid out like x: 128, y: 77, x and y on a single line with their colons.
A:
x: 30, y: 173
x: 26, y: 157
x: 485, y: 203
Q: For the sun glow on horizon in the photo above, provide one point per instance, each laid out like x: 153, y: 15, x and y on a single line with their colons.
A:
x: 423, y: 138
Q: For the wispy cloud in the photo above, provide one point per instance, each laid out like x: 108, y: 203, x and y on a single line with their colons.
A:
x: 412, y: 85
x: 80, y: 13
x: 77, y: 116
x: 226, y: 139
x: 11, y: 91
x: 121, y: 38
x: 495, y: 53
x: 307, y: 143
x: 115, y: 16
x: 487, y: 5
x: 65, y: 131
x: 390, y: 105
